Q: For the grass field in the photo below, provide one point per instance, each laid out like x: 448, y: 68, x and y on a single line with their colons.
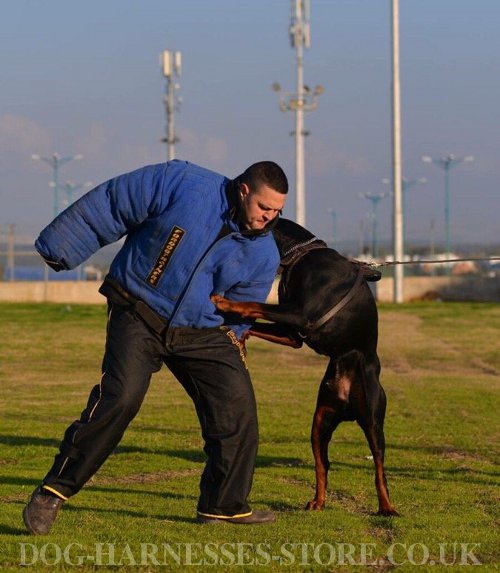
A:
x: 440, y: 370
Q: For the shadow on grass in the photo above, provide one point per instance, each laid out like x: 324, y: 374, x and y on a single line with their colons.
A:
x: 284, y: 462
x: 21, y: 531
x: 282, y: 507
x: 28, y: 441
x: 459, y: 473
x: 6, y: 530
x: 16, y: 440
x: 199, y: 457
x: 21, y: 481
x: 68, y: 507
x: 189, y: 455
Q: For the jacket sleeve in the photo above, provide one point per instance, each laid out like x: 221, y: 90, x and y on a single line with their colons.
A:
x: 104, y: 215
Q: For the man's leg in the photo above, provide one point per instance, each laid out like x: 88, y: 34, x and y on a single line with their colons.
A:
x: 211, y: 367
x: 132, y: 354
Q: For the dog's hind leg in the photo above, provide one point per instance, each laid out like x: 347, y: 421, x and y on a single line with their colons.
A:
x: 370, y: 416
x: 327, y: 416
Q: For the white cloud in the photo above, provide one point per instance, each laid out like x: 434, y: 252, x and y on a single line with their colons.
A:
x: 21, y: 135
x: 93, y: 144
x: 323, y: 160
x: 203, y: 149
x: 106, y: 155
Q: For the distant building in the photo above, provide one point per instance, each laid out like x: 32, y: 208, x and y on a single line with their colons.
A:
x: 36, y: 273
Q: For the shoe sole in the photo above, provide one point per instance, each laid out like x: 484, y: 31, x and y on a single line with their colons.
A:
x: 232, y: 521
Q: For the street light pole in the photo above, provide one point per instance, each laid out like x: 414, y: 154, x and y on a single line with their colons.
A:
x: 397, y: 225
x: 56, y: 161
x: 406, y: 185
x: 300, y: 35
x: 375, y: 199
x: 301, y: 101
x: 70, y: 188
x: 447, y: 163
x: 11, y: 246
x: 171, y: 67
x: 334, y: 226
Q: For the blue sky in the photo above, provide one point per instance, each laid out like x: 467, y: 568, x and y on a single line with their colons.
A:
x: 84, y: 77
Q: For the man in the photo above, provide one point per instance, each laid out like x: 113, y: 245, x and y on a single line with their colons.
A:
x: 190, y: 233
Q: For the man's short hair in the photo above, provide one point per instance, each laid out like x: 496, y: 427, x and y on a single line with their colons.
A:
x: 267, y: 173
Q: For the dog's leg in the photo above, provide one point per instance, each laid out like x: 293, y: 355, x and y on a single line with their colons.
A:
x: 371, y: 414
x: 327, y: 417
x: 276, y: 333
x: 284, y: 314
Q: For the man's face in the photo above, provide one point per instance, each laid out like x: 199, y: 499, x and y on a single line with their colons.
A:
x: 260, y: 205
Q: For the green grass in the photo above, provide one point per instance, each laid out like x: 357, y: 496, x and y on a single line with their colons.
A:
x: 440, y: 369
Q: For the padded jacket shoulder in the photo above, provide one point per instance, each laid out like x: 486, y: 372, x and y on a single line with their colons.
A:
x: 172, y: 258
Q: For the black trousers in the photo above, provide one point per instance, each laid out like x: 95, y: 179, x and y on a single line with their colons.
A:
x: 210, y: 366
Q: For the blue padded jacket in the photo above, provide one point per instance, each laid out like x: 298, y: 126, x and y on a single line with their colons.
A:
x: 174, y: 256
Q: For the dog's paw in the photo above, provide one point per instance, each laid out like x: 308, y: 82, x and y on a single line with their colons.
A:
x: 219, y: 301
x: 314, y: 505
x: 388, y: 512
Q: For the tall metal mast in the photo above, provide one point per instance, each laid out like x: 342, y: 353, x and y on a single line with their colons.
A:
x: 300, y: 101
x: 171, y: 67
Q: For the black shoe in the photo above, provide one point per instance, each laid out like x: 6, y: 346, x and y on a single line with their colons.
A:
x: 254, y: 517
x: 41, y: 512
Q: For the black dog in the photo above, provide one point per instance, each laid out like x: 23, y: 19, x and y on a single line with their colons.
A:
x: 326, y: 302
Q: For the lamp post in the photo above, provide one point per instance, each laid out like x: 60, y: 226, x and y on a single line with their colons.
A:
x: 56, y: 161
x: 300, y: 101
x: 333, y: 215
x: 447, y: 163
x: 361, y: 247
x: 397, y: 163
x: 70, y: 188
x: 406, y: 185
x: 375, y: 199
x: 171, y: 67
x: 11, y: 245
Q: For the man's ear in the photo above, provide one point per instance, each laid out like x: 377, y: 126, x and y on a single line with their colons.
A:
x: 244, y: 190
